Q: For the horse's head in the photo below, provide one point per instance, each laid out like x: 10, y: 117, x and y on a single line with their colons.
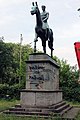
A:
x: 34, y: 8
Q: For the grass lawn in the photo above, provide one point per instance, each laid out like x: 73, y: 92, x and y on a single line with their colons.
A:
x: 11, y: 117
x: 7, y: 104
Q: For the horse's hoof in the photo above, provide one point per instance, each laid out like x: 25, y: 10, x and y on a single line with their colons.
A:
x: 35, y: 40
x: 52, y: 48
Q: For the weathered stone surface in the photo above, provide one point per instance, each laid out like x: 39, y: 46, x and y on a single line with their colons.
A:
x: 41, y: 56
x: 42, y: 72
x: 40, y: 97
x: 27, y: 98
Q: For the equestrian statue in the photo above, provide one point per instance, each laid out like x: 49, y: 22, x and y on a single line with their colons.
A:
x: 42, y: 29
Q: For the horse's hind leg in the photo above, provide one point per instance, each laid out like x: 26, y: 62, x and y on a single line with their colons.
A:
x: 51, y: 53
x: 44, y: 49
x: 50, y: 44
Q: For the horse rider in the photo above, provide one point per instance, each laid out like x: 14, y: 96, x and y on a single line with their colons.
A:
x: 44, y: 17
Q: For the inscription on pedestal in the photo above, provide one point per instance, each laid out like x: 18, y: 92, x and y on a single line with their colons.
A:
x: 36, y: 75
x: 41, y: 75
x: 36, y: 67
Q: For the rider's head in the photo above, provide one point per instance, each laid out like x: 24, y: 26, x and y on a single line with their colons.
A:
x: 43, y: 7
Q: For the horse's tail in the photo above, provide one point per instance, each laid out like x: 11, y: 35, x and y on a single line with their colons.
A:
x: 51, y: 32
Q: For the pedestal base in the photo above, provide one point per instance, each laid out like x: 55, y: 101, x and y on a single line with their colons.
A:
x: 40, y: 97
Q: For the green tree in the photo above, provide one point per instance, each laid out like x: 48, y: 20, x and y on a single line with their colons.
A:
x: 10, y: 62
x: 10, y: 72
x: 69, y: 80
x: 6, y: 59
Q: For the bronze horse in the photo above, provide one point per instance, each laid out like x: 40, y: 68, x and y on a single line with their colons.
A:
x: 40, y: 32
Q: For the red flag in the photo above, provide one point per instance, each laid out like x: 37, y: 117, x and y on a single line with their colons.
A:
x: 77, y: 50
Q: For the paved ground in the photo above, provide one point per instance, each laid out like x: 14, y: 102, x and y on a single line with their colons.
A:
x: 71, y: 114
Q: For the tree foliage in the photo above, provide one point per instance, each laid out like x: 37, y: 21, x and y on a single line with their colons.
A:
x: 10, y: 72
x: 69, y: 76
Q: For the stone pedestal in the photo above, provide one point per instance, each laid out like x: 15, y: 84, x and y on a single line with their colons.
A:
x: 42, y: 81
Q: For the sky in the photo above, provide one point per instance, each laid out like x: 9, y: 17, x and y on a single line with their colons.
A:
x: 64, y: 20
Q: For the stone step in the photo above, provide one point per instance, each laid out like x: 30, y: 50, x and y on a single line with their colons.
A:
x: 30, y: 109
x: 33, y: 109
x: 39, y: 107
x: 58, y: 105
x: 27, y: 109
x: 61, y: 108
x: 18, y: 105
x: 26, y: 113
x: 70, y: 115
x: 16, y: 109
x: 66, y: 110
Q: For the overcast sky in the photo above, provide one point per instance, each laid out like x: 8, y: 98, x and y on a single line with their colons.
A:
x: 15, y: 19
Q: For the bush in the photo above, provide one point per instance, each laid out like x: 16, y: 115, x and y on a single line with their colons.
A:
x: 3, y: 90
x: 10, y: 92
x: 14, y: 91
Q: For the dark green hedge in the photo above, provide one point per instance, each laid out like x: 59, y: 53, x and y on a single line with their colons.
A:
x: 10, y: 92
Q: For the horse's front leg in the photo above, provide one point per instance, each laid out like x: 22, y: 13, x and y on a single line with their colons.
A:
x: 35, y: 40
x: 36, y: 37
x: 44, y: 45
